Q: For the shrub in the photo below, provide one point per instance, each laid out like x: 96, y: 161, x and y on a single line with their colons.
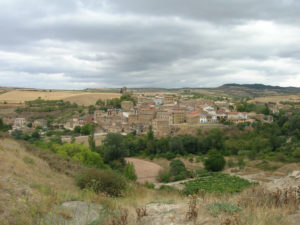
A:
x: 198, y: 159
x: 296, y: 153
x: 149, y: 185
x: 168, y: 155
x: 215, y: 162
x: 178, y: 170
x: 216, y: 208
x: 106, y: 181
x: 164, y: 176
x: 129, y: 172
x: 17, y: 134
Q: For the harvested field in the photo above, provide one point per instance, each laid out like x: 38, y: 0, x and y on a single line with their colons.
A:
x: 145, y: 170
x: 276, y: 99
x: 81, y: 98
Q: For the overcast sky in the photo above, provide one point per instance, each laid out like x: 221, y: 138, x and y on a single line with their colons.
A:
x: 76, y: 44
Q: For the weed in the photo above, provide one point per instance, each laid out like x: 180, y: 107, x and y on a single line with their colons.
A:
x: 28, y: 160
x: 216, y: 208
x: 141, y: 212
x: 192, y: 213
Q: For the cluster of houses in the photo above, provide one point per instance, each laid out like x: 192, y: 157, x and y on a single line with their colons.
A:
x: 165, y: 113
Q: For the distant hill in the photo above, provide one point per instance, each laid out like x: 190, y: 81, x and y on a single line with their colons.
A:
x: 256, y: 90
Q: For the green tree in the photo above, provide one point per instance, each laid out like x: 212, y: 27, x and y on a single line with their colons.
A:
x: 129, y: 172
x: 215, y: 161
x: 114, y: 148
x: 92, y: 143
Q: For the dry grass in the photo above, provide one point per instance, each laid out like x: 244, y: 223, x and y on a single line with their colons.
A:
x: 81, y: 98
x: 29, y: 190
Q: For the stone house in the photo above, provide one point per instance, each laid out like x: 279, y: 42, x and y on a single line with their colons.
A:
x: 19, y: 123
x: 40, y: 123
x: 178, y: 116
x: 127, y: 106
x: 193, y: 117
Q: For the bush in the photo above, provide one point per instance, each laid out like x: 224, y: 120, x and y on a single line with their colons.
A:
x: 149, y: 185
x: 216, y: 208
x: 215, y: 162
x: 106, y: 181
x: 163, y: 176
x: 178, y: 170
x: 129, y: 172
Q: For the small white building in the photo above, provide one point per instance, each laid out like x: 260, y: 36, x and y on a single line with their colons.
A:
x: 203, y: 118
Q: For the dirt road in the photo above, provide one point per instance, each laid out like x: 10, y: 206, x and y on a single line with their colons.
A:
x: 145, y: 170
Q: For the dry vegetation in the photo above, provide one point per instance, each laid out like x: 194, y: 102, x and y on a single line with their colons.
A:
x: 31, y: 186
x: 79, y: 97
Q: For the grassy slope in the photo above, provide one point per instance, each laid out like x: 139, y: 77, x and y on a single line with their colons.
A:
x: 33, y: 181
x: 28, y: 185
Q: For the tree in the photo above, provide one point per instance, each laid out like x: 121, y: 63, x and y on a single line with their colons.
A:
x: 92, y: 109
x: 35, y: 134
x: 77, y: 130
x: 215, y: 161
x: 178, y: 170
x: 129, y: 172
x: 150, y: 134
x: 92, y: 143
x: 176, y: 145
x: 114, y: 148
x: 17, y: 134
x: 87, y: 129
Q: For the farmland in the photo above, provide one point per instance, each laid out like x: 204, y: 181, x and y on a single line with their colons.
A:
x: 78, y: 97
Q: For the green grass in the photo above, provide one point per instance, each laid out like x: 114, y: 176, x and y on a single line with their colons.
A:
x: 28, y: 160
x: 216, y: 182
x: 216, y: 208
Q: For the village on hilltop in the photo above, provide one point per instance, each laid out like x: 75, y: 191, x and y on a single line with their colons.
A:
x: 165, y: 113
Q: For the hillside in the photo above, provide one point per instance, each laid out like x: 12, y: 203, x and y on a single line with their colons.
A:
x: 256, y: 90
x: 29, y: 185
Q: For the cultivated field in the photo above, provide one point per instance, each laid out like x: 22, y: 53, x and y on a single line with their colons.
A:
x: 79, y: 97
x: 277, y: 99
x: 145, y: 170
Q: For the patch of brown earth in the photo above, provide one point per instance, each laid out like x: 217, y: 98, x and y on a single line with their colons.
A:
x: 145, y: 170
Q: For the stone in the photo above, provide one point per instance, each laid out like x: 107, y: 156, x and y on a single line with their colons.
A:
x: 75, y: 213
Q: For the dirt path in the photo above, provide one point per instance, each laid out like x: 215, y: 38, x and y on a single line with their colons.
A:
x: 145, y: 170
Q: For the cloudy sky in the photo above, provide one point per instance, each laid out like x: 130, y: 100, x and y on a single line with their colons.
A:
x: 75, y: 44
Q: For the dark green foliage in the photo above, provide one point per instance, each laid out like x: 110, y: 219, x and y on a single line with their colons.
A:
x: 41, y: 105
x: 114, y: 148
x: 216, y: 182
x: 129, y: 172
x: 35, y: 134
x: 178, y: 171
x: 77, y: 130
x: 215, y: 162
x: 17, y: 134
x: 296, y: 154
x: 92, y: 142
x: 106, y: 181
x: 3, y: 126
x: 87, y: 129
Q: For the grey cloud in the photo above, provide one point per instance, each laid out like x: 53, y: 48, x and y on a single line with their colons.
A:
x: 149, y: 43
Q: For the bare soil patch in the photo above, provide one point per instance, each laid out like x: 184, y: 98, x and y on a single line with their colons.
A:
x: 145, y: 170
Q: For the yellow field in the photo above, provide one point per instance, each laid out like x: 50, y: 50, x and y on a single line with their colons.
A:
x: 81, y: 98
x: 277, y: 99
